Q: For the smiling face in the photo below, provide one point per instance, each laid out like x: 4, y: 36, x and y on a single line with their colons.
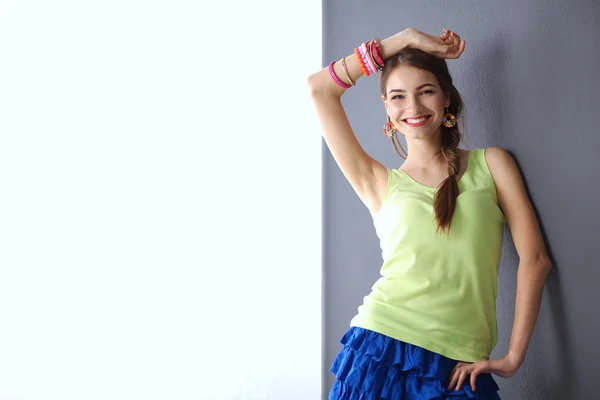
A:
x: 415, y: 102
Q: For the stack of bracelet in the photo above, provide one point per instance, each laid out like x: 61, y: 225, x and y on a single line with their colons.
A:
x: 369, y: 58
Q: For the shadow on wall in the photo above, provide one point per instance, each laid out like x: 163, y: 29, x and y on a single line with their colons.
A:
x: 548, y: 371
x: 543, y: 376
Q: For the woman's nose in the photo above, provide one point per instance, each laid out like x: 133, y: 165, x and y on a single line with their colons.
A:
x: 412, y: 103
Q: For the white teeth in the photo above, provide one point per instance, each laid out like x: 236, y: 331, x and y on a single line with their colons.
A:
x: 416, y: 121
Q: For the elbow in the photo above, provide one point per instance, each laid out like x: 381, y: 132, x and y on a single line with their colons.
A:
x: 315, y: 86
x: 312, y: 84
x: 537, y: 262
x: 544, y: 263
x: 548, y: 266
x: 319, y: 87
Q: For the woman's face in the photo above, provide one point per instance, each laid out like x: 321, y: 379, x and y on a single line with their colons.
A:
x: 415, y: 102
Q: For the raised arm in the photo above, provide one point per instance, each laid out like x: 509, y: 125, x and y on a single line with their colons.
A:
x: 367, y: 176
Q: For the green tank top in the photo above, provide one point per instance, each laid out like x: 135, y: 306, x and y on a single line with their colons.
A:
x: 438, y: 291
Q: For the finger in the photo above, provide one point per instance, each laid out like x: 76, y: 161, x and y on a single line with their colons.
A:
x: 456, y: 39
x: 457, y: 52
x: 473, y: 379
x: 458, y: 366
x: 461, y: 379
x: 454, y: 379
x: 446, y: 36
x: 452, y: 36
x: 455, y: 374
x: 448, y: 39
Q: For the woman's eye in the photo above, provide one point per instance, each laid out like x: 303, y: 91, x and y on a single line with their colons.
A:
x: 399, y: 96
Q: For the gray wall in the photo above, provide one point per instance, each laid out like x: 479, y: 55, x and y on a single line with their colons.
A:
x: 530, y: 80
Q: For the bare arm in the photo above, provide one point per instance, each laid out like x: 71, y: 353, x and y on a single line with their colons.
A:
x: 366, y: 175
x: 534, y: 263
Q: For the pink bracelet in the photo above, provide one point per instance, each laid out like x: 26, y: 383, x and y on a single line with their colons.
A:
x: 364, y: 60
x: 335, y: 77
x: 375, y: 46
x: 367, y: 58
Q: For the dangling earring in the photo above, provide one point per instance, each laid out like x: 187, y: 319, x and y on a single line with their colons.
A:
x: 389, y: 129
x: 391, y: 132
x: 449, y: 120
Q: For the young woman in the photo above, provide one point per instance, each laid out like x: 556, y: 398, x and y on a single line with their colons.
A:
x: 428, y: 326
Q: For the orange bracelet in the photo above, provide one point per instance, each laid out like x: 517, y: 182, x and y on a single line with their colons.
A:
x: 364, y: 68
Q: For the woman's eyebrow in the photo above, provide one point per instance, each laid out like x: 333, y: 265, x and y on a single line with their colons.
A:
x: 418, y: 88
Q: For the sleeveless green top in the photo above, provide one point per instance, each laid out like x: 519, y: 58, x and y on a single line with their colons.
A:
x: 438, y: 291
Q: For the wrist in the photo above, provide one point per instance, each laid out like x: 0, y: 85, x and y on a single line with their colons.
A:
x: 394, y: 44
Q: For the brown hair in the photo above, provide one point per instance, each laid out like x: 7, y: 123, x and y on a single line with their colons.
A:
x: 447, y: 192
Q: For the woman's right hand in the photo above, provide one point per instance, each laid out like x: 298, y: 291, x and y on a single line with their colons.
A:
x: 446, y: 45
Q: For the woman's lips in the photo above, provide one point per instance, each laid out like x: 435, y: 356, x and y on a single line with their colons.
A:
x: 423, y: 122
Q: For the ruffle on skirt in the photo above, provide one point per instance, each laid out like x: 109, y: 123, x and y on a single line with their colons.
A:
x: 372, y: 366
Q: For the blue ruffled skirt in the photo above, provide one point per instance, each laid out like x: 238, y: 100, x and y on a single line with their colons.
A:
x: 372, y: 366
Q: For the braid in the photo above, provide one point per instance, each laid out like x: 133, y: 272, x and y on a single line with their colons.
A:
x: 445, y: 196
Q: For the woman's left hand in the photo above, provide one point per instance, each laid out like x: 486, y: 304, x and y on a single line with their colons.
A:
x: 505, y: 367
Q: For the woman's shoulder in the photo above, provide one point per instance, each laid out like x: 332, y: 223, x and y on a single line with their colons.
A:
x: 493, y: 150
x: 493, y: 154
x: 496, y: 155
